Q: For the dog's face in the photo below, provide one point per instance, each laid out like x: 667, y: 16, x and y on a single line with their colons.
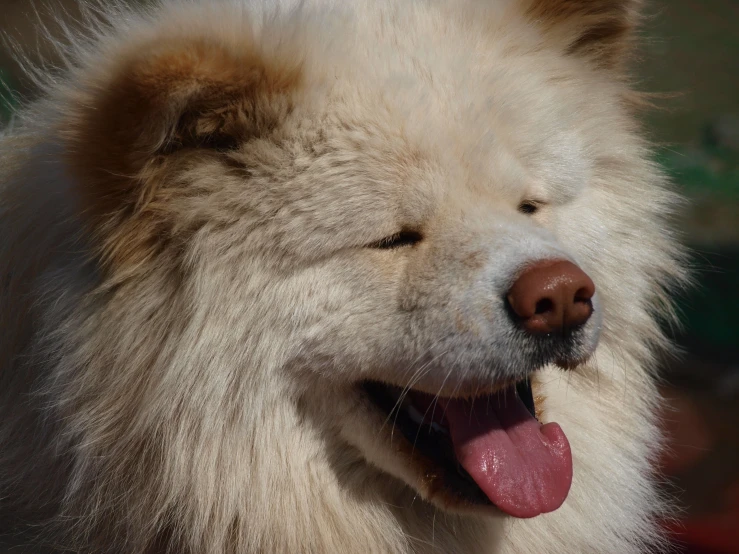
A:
x: 402, y: 236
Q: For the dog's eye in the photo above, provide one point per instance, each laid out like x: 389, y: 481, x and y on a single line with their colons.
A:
x: 221, y: 142
x: 398, y: 240
x: 528, y: 207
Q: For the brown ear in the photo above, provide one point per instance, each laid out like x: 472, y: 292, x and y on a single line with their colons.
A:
x: 170, y: 98
x: 599, y: 30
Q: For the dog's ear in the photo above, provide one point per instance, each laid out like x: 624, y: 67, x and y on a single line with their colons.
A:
x: 157, y: 108
x: 601, y: 31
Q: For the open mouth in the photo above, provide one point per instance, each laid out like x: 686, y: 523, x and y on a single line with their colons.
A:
x: 486, y: 450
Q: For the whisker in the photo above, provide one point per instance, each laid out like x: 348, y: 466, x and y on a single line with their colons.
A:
x: 449, y: 372
x: 417, y: 375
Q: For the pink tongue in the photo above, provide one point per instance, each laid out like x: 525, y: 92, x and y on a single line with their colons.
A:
x: 523, y: 467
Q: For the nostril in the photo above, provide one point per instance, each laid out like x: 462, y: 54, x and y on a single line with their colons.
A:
x: 583, y: 295
x: 585, y: 288
x: 544, y: 306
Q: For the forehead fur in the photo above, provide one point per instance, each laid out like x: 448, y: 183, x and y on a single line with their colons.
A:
x: 231, y: 73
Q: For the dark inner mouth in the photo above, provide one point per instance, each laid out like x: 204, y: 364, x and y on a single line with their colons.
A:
x: 421, y: 421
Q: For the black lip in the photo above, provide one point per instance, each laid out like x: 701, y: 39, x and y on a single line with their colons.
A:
x: 434, y: 445
x: 523, y: 389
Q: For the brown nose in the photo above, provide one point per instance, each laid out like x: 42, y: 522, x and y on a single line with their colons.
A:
x: 552, y: 296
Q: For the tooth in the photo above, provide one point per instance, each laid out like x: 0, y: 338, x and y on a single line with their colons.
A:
x: 414, y: 414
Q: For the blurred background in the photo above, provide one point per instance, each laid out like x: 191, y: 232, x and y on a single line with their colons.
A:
x: 690, y: 51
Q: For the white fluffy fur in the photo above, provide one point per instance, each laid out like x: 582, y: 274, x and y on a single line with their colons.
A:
x: 203, y: 399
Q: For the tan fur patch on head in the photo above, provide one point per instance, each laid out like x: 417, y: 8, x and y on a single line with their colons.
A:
x: 601, y: 30
x: 174, y: 94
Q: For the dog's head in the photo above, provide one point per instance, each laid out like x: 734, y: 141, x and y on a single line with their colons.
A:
x: 395, y: 220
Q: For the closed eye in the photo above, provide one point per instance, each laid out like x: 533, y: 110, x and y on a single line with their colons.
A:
x: 529, y: 207
x: 398, y: 240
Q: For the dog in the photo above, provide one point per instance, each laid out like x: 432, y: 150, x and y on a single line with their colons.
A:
x: 327, y: 277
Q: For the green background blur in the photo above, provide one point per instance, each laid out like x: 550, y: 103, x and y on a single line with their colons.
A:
x: 689, y: 52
